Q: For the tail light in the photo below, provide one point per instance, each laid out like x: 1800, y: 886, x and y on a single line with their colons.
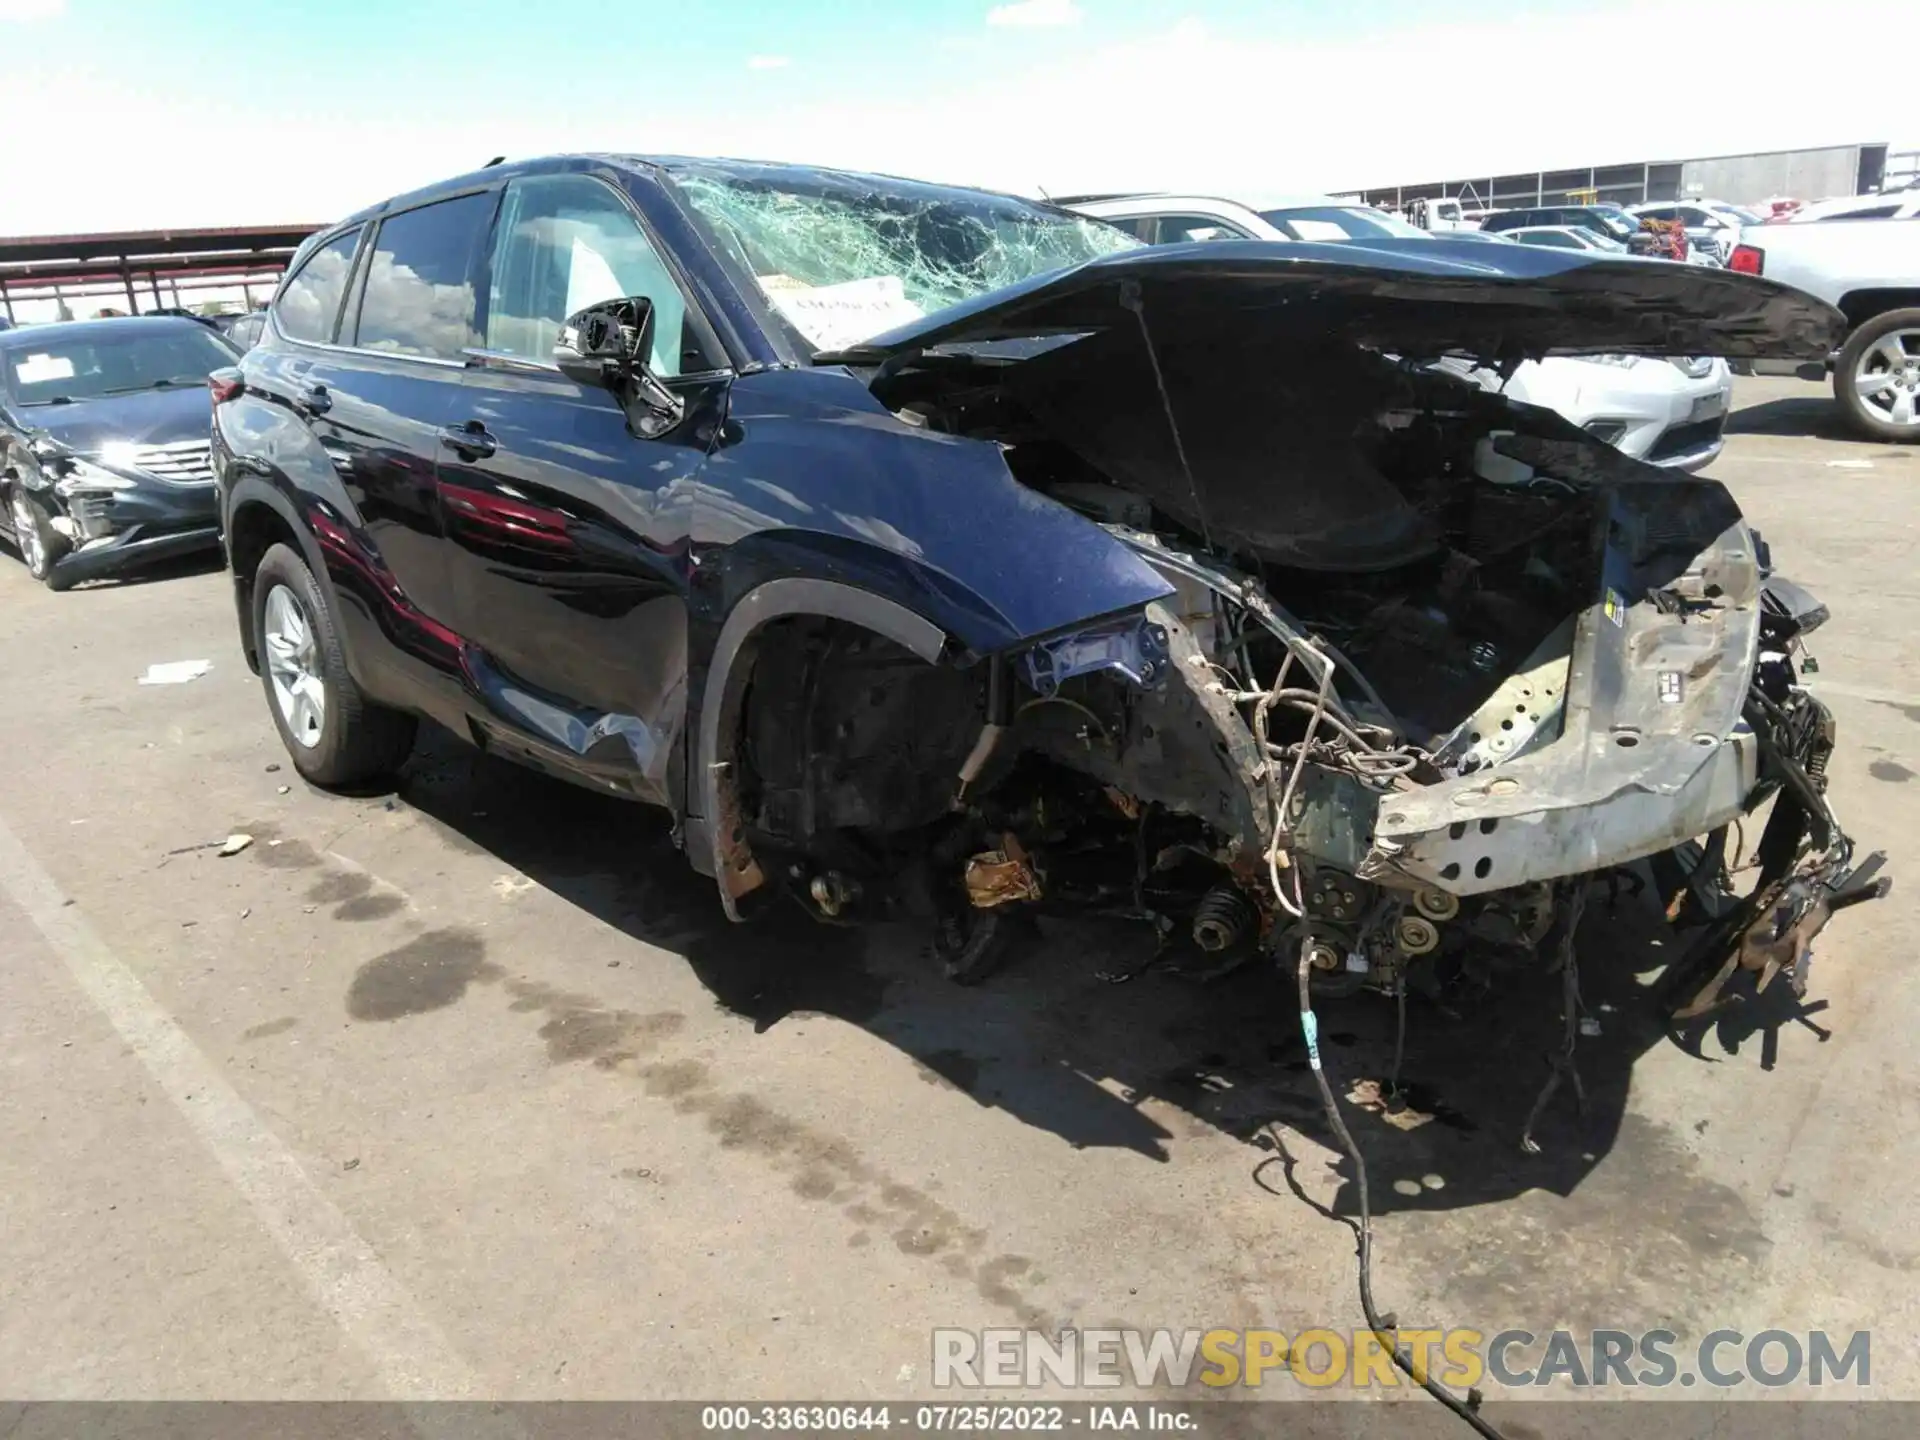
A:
x: 1748, y: 260
x: 226, y: 384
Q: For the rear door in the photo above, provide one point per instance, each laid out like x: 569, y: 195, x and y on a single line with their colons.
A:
x: 415, y: 315
x: 379, y: 397
x: 569, y: 535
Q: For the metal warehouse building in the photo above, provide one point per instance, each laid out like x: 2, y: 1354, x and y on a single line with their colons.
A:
x: 1739, y: 179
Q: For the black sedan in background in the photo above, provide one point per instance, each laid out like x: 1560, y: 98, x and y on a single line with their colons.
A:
x: 104, y: 444
x: 1609, y: 220
x: 242, y: 331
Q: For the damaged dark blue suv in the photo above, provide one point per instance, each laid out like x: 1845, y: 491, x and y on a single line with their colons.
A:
x: 934, y: 550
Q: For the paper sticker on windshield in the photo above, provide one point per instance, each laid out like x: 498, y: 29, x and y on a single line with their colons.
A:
x: 38, y: 369
x: 1316, y: 229
x: 836, y: 316
x: 1615, y: 608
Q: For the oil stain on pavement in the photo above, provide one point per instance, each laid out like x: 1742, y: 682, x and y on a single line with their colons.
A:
x: 439, y: 968
x: 429, y: 972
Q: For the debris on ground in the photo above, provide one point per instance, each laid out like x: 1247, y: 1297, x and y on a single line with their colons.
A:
x: 1001, y: 877
x: 1374, y: 1098
x: 175, y: 672
x: 235, y: 843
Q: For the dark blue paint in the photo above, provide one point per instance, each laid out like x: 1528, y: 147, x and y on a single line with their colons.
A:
x: 556, y: 586
x: 509, y: 558
x: 818, y: 478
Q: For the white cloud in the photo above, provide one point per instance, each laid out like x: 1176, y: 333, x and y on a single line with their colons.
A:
x: 1254, y: 113
x: 1241, y: 111
x: 768, y: 62
x: 1035, y: 14
x: 31, y: 9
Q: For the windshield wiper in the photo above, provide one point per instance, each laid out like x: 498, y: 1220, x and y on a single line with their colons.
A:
x: 51, y: 400
x: 165, y: 382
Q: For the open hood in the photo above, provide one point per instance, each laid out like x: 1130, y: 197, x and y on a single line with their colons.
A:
x: 1509, y: 303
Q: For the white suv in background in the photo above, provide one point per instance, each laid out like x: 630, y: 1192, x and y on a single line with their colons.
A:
x: 1666, y: 412
x: 1891, y: 205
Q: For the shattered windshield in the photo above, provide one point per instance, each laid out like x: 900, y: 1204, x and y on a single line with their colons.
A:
x: 842, y: 258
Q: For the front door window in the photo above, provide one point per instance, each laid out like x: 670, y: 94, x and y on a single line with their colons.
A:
x: 565, y: 242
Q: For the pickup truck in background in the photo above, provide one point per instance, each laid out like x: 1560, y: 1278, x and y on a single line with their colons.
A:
x: 1870, y: 270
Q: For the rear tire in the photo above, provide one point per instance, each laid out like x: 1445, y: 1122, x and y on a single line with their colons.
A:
x: 39, y: 544
x: 1874, y: 350
x: 336, y: 737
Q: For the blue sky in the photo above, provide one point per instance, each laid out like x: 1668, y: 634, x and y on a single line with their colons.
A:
x: 156, y: 112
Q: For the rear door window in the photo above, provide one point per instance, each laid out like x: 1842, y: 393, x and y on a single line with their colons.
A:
x: 1141, y: 227
x: 418, y: 297
x: 309, y: 307
x: 1182, y: 229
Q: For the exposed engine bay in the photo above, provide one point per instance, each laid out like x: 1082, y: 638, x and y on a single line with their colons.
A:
x: 1432, y: 663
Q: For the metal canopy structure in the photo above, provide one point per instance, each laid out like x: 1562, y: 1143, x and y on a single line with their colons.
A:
x: 57, y: 267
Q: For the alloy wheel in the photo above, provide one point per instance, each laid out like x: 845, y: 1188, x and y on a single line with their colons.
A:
x: 1887, y: 378
x: 293, y: 666
x: 26, y: 534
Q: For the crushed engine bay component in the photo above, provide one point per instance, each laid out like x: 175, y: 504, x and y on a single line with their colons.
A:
x: 833, y: 893
x: 1223, y: 918
x: 1322, y: 956
x: 1136, y: 649
x: 1409, y: 714
x: 1001, y: 877
x: 1425, y: 665
x: 1417, y: 936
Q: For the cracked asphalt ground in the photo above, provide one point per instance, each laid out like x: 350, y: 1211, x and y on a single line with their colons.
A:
x: 469, y: 1090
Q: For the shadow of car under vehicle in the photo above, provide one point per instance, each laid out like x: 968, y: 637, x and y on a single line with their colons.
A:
x: 1814, y: 416
x: 178, y: 567
x: 1055, y: 1045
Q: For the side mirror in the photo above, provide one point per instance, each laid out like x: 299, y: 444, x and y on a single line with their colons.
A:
x: 608, y: 345
x: 604, y: 344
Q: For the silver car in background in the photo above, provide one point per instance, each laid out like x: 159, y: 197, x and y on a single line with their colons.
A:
x: 1667, y: 412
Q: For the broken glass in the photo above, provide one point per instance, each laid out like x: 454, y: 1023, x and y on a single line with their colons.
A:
x: 845, y: 257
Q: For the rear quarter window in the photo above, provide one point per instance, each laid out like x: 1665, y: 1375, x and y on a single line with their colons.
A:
x: 309, y: 306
